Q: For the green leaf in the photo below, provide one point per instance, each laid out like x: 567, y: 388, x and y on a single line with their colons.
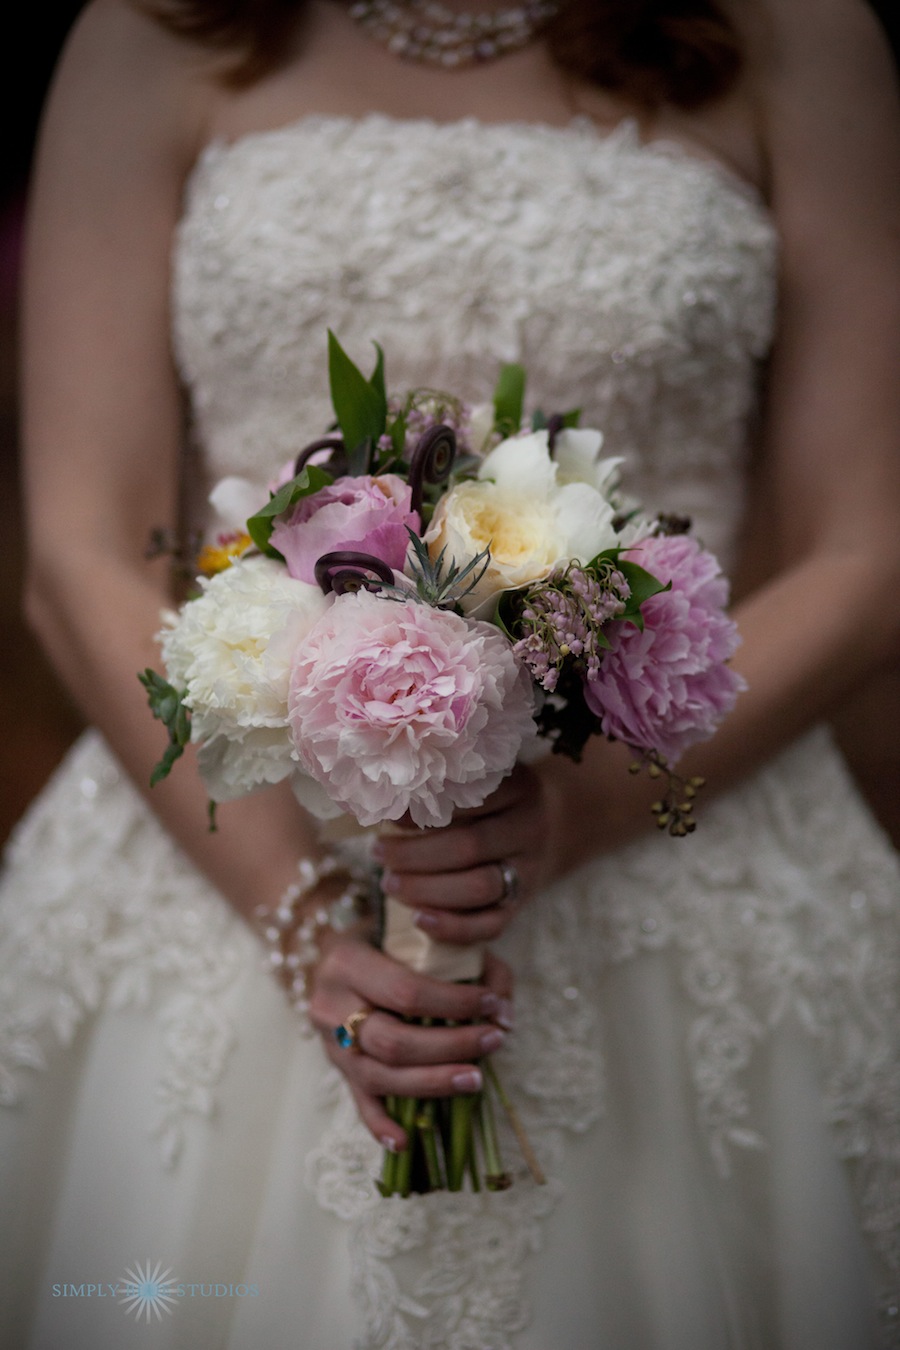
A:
x: 643, y: 584
x: 166, y: 704
x: 376, y: 379
x: 359, y: 404
x: 571, y: 418
x: 397, y: 433
x: 260, y: 526
x: 509, y: 399
x: 610, y: 555
x: 164, y: 767
x: 504, y: 617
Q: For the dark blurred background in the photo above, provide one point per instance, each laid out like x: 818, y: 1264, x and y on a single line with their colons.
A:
x: 37, y: 721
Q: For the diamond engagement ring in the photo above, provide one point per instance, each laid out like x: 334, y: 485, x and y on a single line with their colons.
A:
x: 510, y: 878
x: 347, y: 1034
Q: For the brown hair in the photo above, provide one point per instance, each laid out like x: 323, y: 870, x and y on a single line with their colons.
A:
x: 685, y: 52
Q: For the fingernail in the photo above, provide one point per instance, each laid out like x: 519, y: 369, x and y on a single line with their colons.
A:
x: 378, y: 851
x: 504, y: 1015
x: 491, y: 1040
x: 390, y: 1143
x: 469, y: 1081
x: 388, y: 881
x: 427, y: 921
x: 490, y: 1004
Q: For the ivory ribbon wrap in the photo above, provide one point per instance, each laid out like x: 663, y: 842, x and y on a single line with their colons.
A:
x: 412, y: 948
x: 417, y: 951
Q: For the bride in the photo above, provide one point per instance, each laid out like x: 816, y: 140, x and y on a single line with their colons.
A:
x: 701, y: 1034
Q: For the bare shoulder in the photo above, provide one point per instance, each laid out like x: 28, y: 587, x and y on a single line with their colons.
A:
x: 827, y: 91
x: 124, y: 81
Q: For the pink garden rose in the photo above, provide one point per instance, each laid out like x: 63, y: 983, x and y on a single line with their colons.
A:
x: 396, y: 707
x: 366, y: 514
x: 667, y: 687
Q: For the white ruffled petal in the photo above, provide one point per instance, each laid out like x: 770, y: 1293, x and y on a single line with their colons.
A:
x: 575, y: 451
x: 235, y: 499
x: 522, y: 464
x: 585, y: 522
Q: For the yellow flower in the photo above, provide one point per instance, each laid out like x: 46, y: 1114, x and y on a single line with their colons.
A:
x: 216, y: 557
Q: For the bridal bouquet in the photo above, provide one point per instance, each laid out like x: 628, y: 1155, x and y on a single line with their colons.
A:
x: 410, y: 606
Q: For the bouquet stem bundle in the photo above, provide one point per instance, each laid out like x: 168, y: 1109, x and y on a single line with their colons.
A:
x: 454, y: 1140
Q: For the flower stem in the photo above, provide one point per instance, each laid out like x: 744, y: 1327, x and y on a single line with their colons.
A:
x: 495, y: 1178
x: 460, y: 1132
x: 425, y: 1123
x: 388, y: 1182
x: 409, y: 1109
x: 512, y: 1116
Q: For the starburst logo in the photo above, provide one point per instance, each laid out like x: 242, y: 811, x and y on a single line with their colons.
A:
x: 148, y: 1292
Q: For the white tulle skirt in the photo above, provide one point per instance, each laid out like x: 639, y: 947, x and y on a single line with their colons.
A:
x: 706, y: 1057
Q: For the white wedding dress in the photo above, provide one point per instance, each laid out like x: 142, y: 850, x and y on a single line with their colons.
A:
x: 707, y: 1053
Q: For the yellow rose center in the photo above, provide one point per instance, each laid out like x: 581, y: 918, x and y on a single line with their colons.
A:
x: 515, y: 530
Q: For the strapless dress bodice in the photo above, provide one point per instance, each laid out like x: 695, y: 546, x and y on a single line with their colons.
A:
x: 634, y: 281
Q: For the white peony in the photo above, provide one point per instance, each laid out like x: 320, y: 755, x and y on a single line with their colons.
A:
x: 534, y: 512
x: 231, y: 649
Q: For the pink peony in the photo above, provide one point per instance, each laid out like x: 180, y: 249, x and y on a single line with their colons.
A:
x: 395, y: 707
x: 368, y: 515
x: 668, y: 686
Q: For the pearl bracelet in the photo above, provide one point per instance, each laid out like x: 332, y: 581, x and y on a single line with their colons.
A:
x: 291, y: 935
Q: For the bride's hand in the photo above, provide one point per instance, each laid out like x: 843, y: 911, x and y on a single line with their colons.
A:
x: 392, y: 1057
x: 467, y: 880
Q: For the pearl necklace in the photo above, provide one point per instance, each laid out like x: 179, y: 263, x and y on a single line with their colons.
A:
x: 426, y: 31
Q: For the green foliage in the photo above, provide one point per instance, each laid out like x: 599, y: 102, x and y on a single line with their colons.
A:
x: 167, y: 704
x: 509, y: 399
x: 540, y: 421
x: 445, y: 586
x: 360, y: 405
x: 260, y: 526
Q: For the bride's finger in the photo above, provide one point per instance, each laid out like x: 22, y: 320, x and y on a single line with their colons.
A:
x: 499, y: 978
x: 463, y: 929
x: 492, y: 883
x: 425, y: 1080
x: 398, y: 1044
x: 465, y: 844
x: 381, y: 982
x: 377, y: 1121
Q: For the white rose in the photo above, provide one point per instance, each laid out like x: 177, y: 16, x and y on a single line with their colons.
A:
x: 234, y: 500
x: 231, y: 649
x: 534, y: 512
x: 481, y: 423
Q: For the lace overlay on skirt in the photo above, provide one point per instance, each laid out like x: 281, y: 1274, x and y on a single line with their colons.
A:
x: 801, y: 922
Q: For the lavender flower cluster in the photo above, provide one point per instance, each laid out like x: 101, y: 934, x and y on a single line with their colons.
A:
x: 563, y: 618
x: 427, y: 408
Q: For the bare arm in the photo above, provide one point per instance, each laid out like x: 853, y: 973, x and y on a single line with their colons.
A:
x: 102, y: 415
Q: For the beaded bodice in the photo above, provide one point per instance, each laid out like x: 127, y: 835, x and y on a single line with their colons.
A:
x: 633, y: 281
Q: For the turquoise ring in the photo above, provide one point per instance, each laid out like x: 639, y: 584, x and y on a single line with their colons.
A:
x: 347, y: 1034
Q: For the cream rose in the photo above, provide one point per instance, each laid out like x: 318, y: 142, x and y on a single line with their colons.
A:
x: 530, y: 510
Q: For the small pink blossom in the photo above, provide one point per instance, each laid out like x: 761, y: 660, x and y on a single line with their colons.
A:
x: 365, y: 514
x: 395, y: 706
x: 669, y: 686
